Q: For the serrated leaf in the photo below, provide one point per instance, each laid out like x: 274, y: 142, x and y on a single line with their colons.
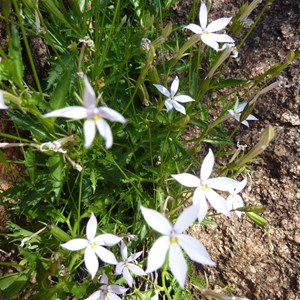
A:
x: 56, y: 165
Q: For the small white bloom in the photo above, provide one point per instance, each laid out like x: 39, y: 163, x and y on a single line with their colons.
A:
x: 205, y: 187
x: 127, y: 265
x: 94, y: 117
x: 234, y: 200
x: 93, y: 246
x: 2, y: 104
x: 172, y: 100
x: 237, y: 111
x: 172, y: 241
x: 206, y: 32
x: 54, y: 146
x: 107, y: 292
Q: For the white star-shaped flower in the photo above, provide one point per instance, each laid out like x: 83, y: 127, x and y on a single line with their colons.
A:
x: 170, y: 244
x: 127, y: 265
x: 107, y: 292
x: 205, y: 187
x: 172, y: 100
x: 93, y: 246
x: 237, y: 111
x: 94, y: 116
x: 234, y: 200
x: 206, y: 32
x: 2, y: 104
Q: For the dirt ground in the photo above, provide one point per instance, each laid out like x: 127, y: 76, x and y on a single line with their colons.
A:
x: 253, y: 262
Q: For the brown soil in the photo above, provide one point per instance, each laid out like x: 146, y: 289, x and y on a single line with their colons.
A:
x: 253, y: 262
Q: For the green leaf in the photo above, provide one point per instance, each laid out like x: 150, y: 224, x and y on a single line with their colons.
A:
x: 15, y: 57
x: 258, y: 220
x: 12, y: 285
x: 227, y: 83
x: 58, y: 98
x: 56, y: 165
x: 28, y: 123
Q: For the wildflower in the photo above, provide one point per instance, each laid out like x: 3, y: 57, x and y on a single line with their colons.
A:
x: 94, y: 117
x: 172, y: 100
x: 234, y: 200
x: 237, y: 111
x: 107, y: 292
x: 2, y: 104
x: 207, y: 32
x: 93, y: 246
x: 172, y: 241
x: 54, y: 146
x: 205, y: 187
x: 126, y: 265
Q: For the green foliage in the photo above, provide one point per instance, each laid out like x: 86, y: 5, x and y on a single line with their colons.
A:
x: 107, y: 40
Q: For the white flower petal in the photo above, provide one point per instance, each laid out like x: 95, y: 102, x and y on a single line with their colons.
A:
x: 105, y: 132
x: 134, y: 256
x: 136, y: 270
x: 157, y: 254
x: 186, y: 219
x: 91, y: 227
x: 251, y: 118
x: 168, y: 104
x: 174, y: 87
x: 210, y: 42
x: 236, y: 105
x: 179, y: 107
x: 89, y: 96
x: 111, y: 115
x: 200, y: 200
x: 124, y: 251
x: 203, y: 15
x: 195, y: 28
x: 127, y: 276
x: 95, y: 296
x: 76, y: 244
x: 222, y: 183
x: 240, y: 107
x: 163, y: 90
x: 231, y: 112
x: 218, y: 24
x: 117, y: 289
x: 229, y: 202
x: 2, y: 104
x: 105, y: 255
x: 111, y: 296
x: 177, y: 264
x: 217, y: 202
x: 221, y: 38
x: 246, y: 123
x: 156, y: 220
x: 71, y: 112
x: 241, y: 185
x: 91, y: 261
x: 238, y: 202
x: 187, y: 179
x: 119, y: 268
x: 89, y: 130
x: 194, y: 249
x: 207, y: 165
x: 183, y: 99
x: 106, y: 239
x: 104, y: 279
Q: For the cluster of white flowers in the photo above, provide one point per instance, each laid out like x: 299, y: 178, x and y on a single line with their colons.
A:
x: 95, y: 248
